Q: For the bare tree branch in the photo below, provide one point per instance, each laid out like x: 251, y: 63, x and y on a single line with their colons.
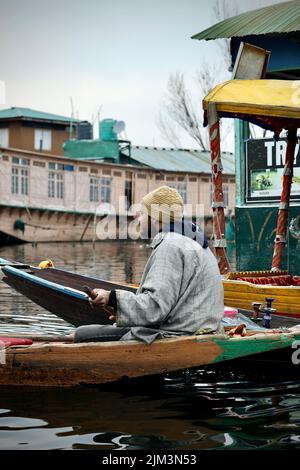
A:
x: 169, y: 132
x: 181, y: 110
x: 178, y: 108
x: 206, y: 77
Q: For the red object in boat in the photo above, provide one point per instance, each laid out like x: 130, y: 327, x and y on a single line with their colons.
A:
x: 6, y: 341
x: 230, y: 312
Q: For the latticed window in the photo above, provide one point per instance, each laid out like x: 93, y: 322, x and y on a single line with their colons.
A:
x: 100, y: 190
x: 24, y: 181
x: 15, y: 180
x: 20, y: 176
x: 181, y: 188
x: 105, y: 189
x: 20, y: 161
x: 94, y: 190
x: 59, y: 185
x: 55, y: 185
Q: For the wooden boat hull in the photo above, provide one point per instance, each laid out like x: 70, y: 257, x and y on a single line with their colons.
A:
x: 62, y: 364
x: 241, y: 294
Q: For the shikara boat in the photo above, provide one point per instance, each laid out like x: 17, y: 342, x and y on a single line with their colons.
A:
x: 49, y: 361
x: 272, y: 105
x: 69, y: 364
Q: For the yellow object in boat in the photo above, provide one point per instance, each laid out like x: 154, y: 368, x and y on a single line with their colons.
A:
x: 46, y: 264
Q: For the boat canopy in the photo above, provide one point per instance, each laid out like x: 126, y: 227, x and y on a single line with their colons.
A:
x: 271, y: 104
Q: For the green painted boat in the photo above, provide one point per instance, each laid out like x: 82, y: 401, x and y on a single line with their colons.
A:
x: 62, y: 364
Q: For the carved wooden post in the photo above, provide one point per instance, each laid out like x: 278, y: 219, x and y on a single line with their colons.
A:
x: 281, y: 231
x: 219, y: 241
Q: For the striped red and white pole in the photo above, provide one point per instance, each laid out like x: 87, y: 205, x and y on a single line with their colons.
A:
x: 282, y: 220
x: 219, y: 241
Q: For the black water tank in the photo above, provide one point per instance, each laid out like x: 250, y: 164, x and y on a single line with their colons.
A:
x: 84, y: 130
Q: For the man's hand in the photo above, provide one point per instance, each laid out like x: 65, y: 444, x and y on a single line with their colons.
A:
x: 100, y: 297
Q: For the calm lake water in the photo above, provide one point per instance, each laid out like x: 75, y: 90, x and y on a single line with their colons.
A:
x: 228, y: 407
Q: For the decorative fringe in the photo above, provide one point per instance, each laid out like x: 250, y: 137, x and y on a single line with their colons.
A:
x: 234, y: 275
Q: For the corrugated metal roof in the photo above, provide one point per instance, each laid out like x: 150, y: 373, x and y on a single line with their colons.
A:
x: 279, y: 18
x: 184, y: 161
x: 28, y: 113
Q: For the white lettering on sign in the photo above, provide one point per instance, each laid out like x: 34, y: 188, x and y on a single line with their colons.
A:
x: 269, y: 145
x: 280, y: 151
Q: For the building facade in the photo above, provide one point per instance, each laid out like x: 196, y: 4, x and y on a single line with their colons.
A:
x: 45, y: 197
x: 48, y: 197
x: 28, y: 129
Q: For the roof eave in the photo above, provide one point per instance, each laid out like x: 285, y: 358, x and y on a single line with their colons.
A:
x: 41, y: 120
x: 210, y: 37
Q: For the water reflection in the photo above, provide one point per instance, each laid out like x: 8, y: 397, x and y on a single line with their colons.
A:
x: 161, y: 416
x: 122, y: 262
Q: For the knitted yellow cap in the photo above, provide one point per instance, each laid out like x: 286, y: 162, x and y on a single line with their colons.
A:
x: 164, y: 203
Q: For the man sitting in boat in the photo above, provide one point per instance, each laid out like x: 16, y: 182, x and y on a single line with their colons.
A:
x: 181, y: 288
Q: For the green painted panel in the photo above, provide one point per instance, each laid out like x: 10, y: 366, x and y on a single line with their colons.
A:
x: 241, y: 134
x: 255, y: 234
x: 91, y: 149
x: 235, y: 348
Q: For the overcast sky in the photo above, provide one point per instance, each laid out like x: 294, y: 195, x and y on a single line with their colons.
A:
x: 117, y: 54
